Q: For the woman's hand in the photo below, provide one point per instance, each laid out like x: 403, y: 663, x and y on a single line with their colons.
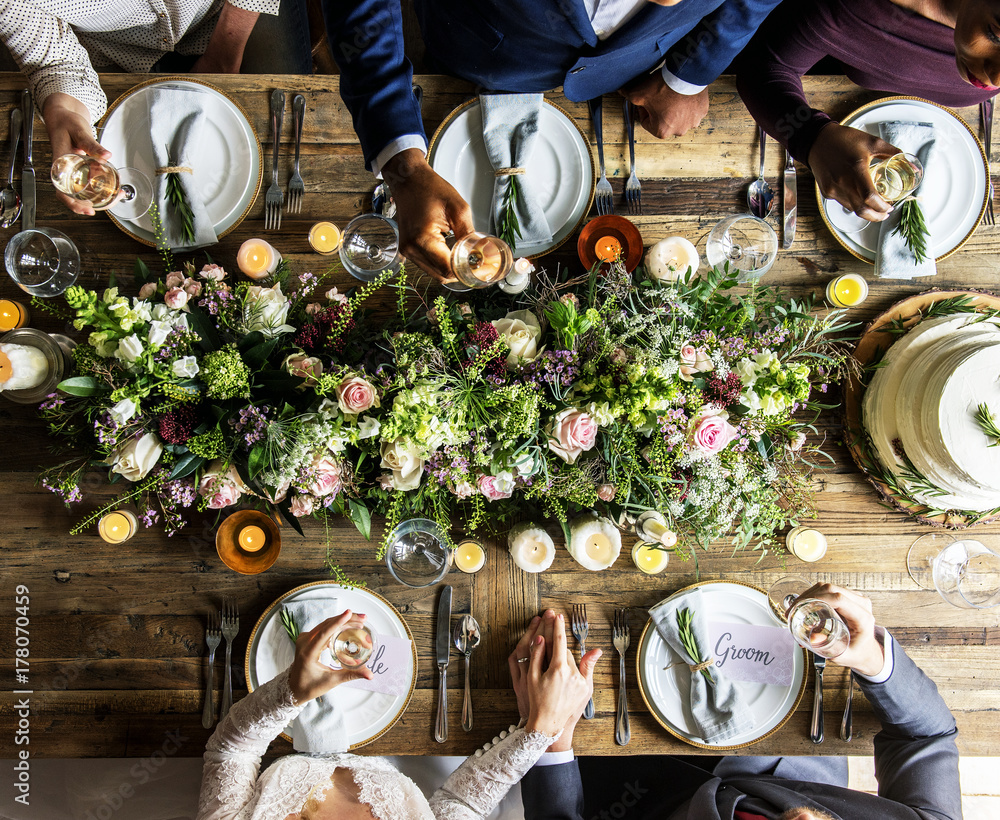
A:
x: 839, y: 160
x: 865, y: 654
x: 67, y: 121
x: 307, y: 677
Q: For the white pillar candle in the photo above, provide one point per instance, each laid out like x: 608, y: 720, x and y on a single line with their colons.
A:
x: 806, y: 544
x: 531, y: 547
x: 649, y: 558
x: 652, y: 527
x: 470, y: 556
x: 594, y: 542
x: 670, y: 258
x: 519, y: 277
x: 257, y: 259
x: 22, y: 367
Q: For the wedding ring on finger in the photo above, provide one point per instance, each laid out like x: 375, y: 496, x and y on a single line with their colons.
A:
x: 523, y: 660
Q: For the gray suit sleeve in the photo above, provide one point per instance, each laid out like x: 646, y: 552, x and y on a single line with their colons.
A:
x: 553, y: 792
x: 916, y: 759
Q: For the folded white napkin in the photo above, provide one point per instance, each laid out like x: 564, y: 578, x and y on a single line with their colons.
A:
x: 893, y: 259
x: 176, y: 119
x: 718, y: 709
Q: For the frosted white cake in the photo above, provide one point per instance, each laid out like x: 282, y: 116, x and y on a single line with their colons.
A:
x: 922, y: 404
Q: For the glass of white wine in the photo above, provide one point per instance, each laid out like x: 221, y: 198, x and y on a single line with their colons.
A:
x: 896, y: 177
x: 814, y: 624
x: 353, y: 645
x: 126, y: 192
x: 479, y: 260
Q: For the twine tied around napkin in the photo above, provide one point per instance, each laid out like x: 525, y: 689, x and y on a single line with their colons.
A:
x: 509, y: 172
x: 174, y: 169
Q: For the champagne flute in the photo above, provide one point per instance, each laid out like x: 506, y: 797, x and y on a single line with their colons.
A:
x: 126, y: 192
x: 479, y: 260
x: 814, y: 624
x: 896, y: 177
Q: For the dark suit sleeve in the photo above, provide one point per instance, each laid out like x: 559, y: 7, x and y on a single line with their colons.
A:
x: 553, y: 792
x: 376, y: 78
x: 916, y: 759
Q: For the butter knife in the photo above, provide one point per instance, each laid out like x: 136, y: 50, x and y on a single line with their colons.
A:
x: 443, y: 646
x: 27, y: 170
x: 816, y: 727
x: 789, y: 203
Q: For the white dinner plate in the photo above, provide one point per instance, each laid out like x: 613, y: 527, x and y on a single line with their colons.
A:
x: 771, y: 705
x: 561, y: 168
x: 369, y: 714
x: 955, y: 188
x: 227, y: 163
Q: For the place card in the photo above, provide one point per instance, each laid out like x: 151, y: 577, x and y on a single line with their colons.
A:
x: 757, y: 654
x: 390, y: 665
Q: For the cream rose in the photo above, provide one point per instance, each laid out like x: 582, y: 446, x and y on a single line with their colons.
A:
x: 570, y: 433
x: 403, y: 458
x: 521, y: 331
x: 302, y: 506
x: 325, y: 474
x: 355, y: 395
x: 137, y: 457
x: 265, y: 310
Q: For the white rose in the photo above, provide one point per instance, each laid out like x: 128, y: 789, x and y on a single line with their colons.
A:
x: 521, y: 331
x: 185, y: 368
x: 123, y: 411
x: 158, y: 332
x: 403, y: 458
x: 266, y: 309
x: 747, y: 371
x: 139, y: 455
x: 129, y: 349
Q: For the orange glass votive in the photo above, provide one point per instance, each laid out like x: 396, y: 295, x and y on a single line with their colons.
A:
x: 252, y: 538
x: 608, y: 249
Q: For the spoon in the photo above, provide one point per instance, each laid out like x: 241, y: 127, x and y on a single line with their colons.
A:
x: 760, y: 197
x: 10, y: 201
x: 382, y: 201
x: 466, y: 637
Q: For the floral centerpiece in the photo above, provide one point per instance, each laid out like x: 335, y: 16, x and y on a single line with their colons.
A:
x: 606, y: 391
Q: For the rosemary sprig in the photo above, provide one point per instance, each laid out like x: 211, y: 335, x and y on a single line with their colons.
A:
x: 686, y: 634
x: 988, y: 424
x: 510, y: 230
x: 178, y: 202
x: 913, y: 228
x: 291, y: 627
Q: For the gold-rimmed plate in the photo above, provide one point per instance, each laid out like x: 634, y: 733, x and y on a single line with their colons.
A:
x: 771, y: 705
x: 369, y: 715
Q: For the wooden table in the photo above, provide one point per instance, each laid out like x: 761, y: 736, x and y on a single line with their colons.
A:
x: 117, y: 633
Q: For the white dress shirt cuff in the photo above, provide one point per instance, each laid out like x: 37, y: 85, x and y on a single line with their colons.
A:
x: 679, y: 85
x: 885, y: 639
x: 555, y: 758
x: 397, y: 146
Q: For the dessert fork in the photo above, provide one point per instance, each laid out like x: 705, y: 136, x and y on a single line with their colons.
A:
x: 620, y: 635
x: 633, y: 190
x: 296, y: 188
x: 581, y: 627
x: 213, y: 636
x: 274, y: 197
x: 986, y: 123
x: 603, y: 195
x: 230, y: 627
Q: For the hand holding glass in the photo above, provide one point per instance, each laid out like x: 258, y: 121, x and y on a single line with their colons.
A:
x: 479, y: 260
x: 814, y: 624
x: 126, y: 192
x: 896, y: 177
x: 353, y: 645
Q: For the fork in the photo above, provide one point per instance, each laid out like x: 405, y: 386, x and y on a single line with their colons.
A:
x: 213, y: 636
x: 603, y: 196
x: 230, y: 626
x: 295, y: 186
x: 580, y: 628
x: 274, y: 197
x: 986, y: 123
x: 633, y: 190
x: 620, y: 635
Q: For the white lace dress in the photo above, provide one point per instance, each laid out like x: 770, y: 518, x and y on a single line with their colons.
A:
x: 232, y: 790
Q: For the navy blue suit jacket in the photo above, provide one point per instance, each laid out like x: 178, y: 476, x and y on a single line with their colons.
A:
x: 523, y: 45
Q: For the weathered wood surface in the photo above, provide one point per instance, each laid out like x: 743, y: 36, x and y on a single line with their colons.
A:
x: 117, y: 633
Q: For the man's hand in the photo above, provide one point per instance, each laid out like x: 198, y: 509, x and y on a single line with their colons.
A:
x: 865, y: 654
x: 307, y: 677
x: 839, y: 160
x: 224, y: 52
x: 67, y: 121
x: 662, y: 111
x: 427, y: 209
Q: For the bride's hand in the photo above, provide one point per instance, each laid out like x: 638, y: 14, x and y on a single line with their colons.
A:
x: 307, y: 676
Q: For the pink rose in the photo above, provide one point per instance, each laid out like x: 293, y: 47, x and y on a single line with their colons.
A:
x: 694, y: 360
x: 464, y: 489
x: 192, y: 287
x: 176, y: 298
x: 307, y: 368
x: 325, y: 475
x: 494, y: 488
x: 302, y: 505
x: 336, y: 296
x: 278, y: 495
x: 213, y: 272
x: 796, y: 443
x: 355, y: 395
x: 222, y: 489
x: 570, y: 433
x: 385, y: 481
x: 175, y: 279
x: 712, y: 433
x: 147, y: 290
x: 313, y: 308
x: 606, y: 492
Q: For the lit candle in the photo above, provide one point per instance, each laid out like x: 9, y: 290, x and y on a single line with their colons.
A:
x: 670, y: 258
x: 257, y: 259
x: 324, y: 237
x: 12, y: 315
x: 652, y: 527
x: 519, y: 277
x: 22, y: 367
x: 117, y: 527
x: 531, y: 547
x: 650, y: 559
x: 252, y: 538
x: 608, y: 249
x: 595, y: 543
x: 847, y: 290
x: 470, y: 556
x: 806, y: 544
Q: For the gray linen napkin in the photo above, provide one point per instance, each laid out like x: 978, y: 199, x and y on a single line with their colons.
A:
x: 176, y: 119
x: 718, y: 710
x: 320, y: 726
x: 510, y: 129
x: 893, y: 259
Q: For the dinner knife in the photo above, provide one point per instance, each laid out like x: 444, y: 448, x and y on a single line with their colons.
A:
x: 789, y: 203
x: 27, y: 170
x: 443, y: 646
x: 816, y: 727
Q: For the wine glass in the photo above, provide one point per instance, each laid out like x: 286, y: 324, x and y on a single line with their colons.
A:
x: 353, y: 645
x: 814, y: 624
x: 126, y: 192
x: 42, y: 261
x: 747, y: 243
x: 965, y: 573
x: 418, y: 554
x: 896, y: 177
x: 370, y: 245
x: 479, y: 260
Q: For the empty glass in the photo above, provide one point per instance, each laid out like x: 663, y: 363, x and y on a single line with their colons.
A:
x: 353, y: 645
x: 418, y: 554
x: 370, y: 246
x: 747, y: 243
x: 42, y: 261
x: 126, y: 192
x: 814, y: 624
x: 965, y: 573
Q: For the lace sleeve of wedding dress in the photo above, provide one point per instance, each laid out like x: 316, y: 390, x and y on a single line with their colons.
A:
x: 478, y: 785
x: 232, y: 759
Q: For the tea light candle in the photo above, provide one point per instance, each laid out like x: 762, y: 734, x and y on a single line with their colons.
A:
x: 118, y: 526
x: 652, y: 527
x: 650, y: 559
x: 324, y: 237
x: 257, y: 259
x: 12, y: 315
x: 847, y: 290
x: 595, y: 542
x: 252, y: 539
x: 22, y: 367
x: 670, y: 258
x: 531, y: 547
x: 519, y: 277
x: 806, y: 544
x: 608, y: 249
x: 470, y: 556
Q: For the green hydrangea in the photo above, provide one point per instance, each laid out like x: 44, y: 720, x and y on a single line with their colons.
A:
x: 225, y: 374
x: 209, y: 445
